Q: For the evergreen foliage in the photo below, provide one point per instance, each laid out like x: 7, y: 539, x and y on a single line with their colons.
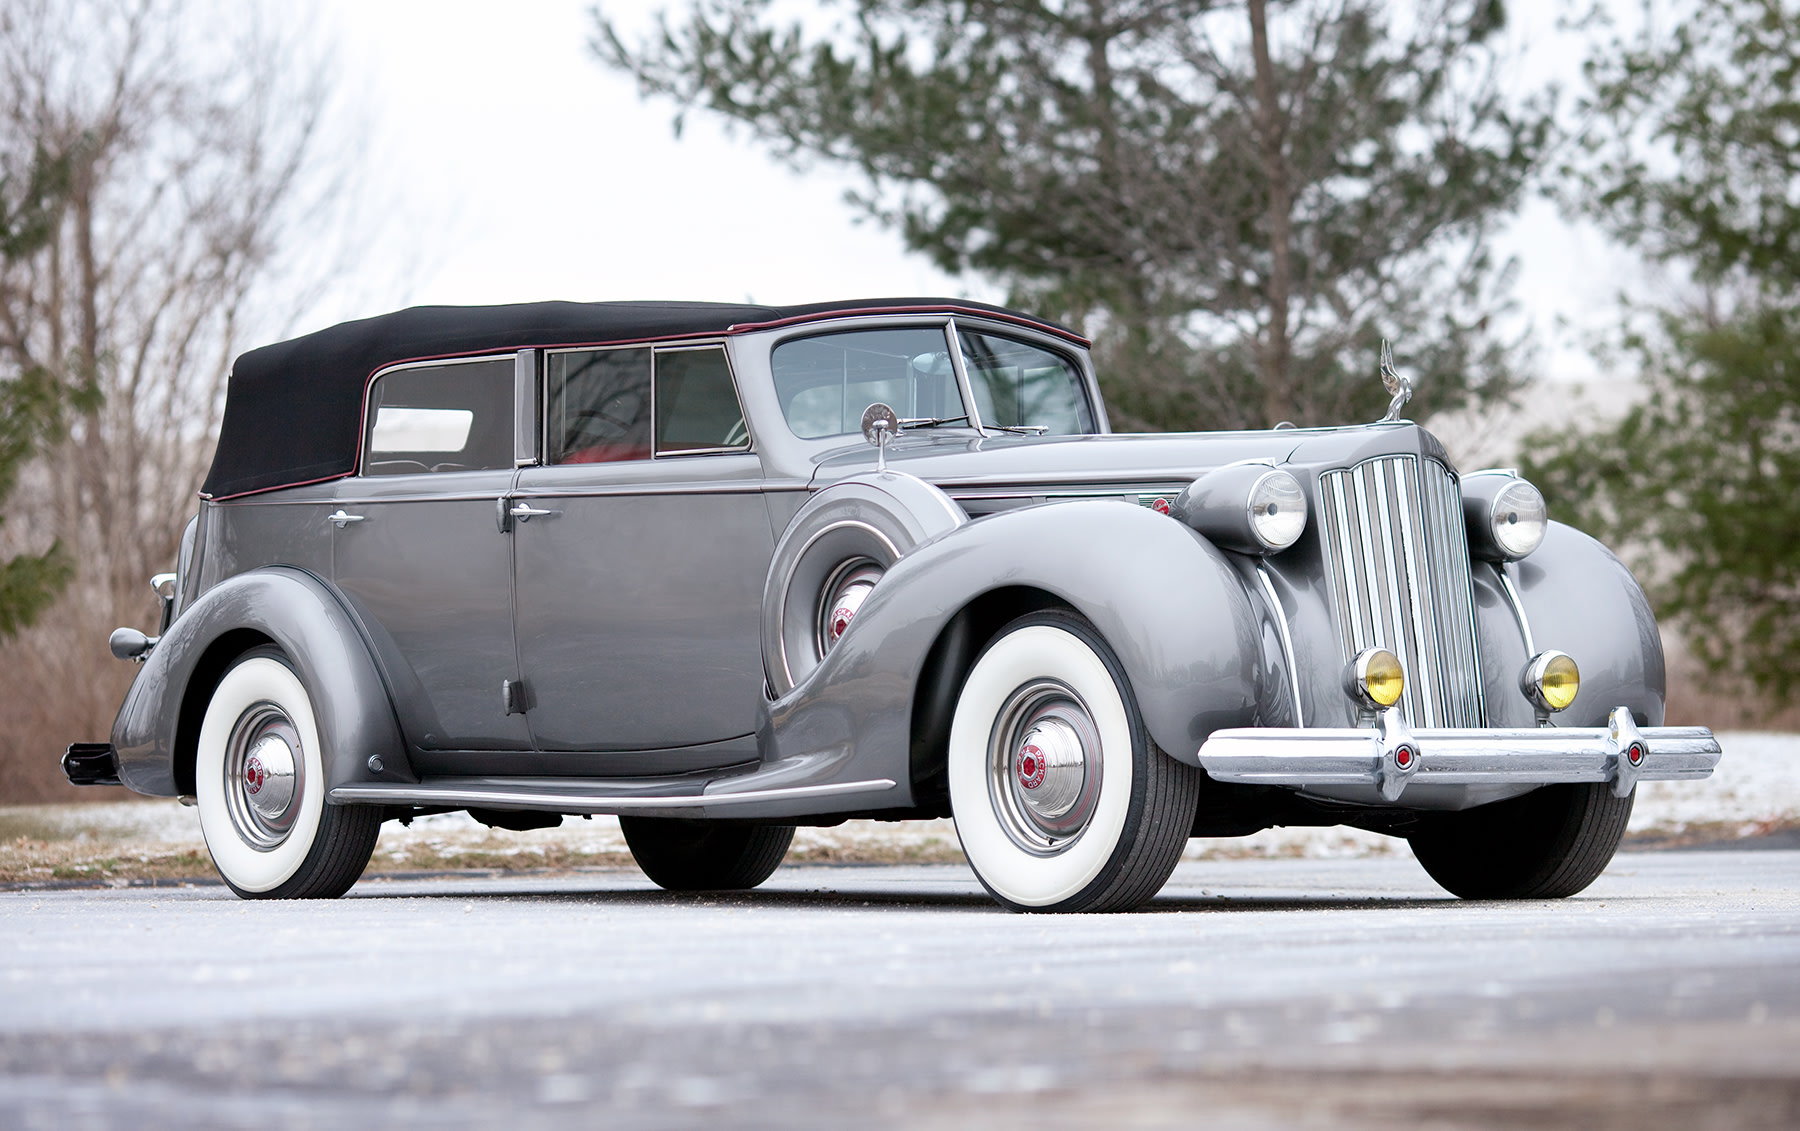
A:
x: 1697, y: 164
x: 1237, y: 201
x: 32, y: 400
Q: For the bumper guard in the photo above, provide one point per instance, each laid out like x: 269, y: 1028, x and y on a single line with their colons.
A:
x: 1394, y: 755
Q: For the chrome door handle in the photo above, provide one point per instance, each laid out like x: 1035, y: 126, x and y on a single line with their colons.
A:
x: 525, y: 513
x: 341, y: 520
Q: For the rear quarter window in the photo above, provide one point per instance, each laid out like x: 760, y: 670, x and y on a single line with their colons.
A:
x: 455, y: 416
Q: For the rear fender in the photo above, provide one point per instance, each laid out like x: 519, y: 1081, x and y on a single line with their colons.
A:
x: 157, y: 728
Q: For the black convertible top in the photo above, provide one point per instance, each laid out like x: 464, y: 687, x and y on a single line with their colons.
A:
x: 294, y: 410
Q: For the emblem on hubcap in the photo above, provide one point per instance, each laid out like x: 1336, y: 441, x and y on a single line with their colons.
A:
x: 254, y: 775
x: 840, y: 620
x: 1031, y: 766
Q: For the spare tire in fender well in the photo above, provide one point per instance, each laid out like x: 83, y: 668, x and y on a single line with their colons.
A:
x: 872, y: 519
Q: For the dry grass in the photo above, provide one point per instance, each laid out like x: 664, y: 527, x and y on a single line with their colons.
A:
x: 149, y: 842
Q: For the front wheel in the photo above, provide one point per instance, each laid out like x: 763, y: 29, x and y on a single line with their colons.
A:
x: 259, y: 783
x: 1062, y: 800
x: 1550, y: 843
x: 683, y: 855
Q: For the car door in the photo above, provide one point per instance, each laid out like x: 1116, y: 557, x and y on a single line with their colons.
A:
x: 422, y: 553
x: 640, y: 556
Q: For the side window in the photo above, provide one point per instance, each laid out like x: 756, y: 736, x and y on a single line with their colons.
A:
x: 824, y: 383
x: 457, y: 416
x: 1020, y: 385
x: 599, y: 406
x: 696, y: 403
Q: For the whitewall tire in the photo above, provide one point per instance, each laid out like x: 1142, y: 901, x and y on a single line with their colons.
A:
x: 1061, y: 799
x: 259, y: 783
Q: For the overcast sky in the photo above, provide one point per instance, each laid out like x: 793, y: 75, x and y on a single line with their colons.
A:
x: 521, y: 169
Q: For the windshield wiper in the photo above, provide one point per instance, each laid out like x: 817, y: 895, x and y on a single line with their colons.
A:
x: 1015, y: 429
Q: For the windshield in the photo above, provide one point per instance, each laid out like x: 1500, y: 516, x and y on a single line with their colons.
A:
x: 826, y: 382
x: 1023, y: 386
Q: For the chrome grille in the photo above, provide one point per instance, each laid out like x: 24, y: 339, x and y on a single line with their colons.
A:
x: 1398, y: 560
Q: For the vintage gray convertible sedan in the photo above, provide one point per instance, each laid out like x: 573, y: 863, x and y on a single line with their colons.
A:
x: 724, y: 570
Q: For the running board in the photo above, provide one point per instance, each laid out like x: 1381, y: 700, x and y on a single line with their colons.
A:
x: 567, y: 796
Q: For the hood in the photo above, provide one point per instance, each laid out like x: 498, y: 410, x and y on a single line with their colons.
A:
x: 962, y: 464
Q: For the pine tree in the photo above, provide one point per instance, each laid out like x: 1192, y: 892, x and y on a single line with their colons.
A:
x: 1237, y: 201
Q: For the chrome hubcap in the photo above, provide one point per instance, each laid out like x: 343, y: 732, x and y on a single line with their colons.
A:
x: 842, y: 598
x: 264, y: 776
x: 1044, y: 767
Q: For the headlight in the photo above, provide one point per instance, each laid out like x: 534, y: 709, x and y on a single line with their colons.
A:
x: 1505, y: 515
x: 1249, y: 507
x: 1277, y: 510
x: 1375, y: 678
x: 1551, y: 680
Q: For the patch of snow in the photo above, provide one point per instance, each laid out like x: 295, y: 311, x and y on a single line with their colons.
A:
x: 1757, y: 784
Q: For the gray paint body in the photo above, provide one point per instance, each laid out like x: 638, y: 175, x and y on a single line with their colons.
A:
x: 631, y: 612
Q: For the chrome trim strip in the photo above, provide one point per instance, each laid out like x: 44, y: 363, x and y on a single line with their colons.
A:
x: 551, y: 491
x: 962, y: 376
x: 1450, y: 551
x: 398, y: 497
x: 1421, y: 602
x: 1287, y: 641
x: 1137, y: 490
x: 525, y: 408
x: 590, y: 802
x: 1351, y: 603
x: 1290, y: 756
x: 1518, y: 606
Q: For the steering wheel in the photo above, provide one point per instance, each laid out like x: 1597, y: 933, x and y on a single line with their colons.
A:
x: 613, y: 420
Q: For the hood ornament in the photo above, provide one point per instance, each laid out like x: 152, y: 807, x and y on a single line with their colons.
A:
x: 1399, y: 386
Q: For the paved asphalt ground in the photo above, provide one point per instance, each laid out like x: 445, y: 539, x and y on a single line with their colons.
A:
x: 1252, y: 994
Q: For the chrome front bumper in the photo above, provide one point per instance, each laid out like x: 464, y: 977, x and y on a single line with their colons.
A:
x: 1384, y: 764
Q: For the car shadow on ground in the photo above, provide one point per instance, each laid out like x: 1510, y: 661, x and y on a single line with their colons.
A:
x: 788, y: 900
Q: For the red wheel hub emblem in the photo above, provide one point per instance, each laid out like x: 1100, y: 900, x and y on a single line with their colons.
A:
x: 1031, y: 766
x: 254, y: 775
x: 840, y: 621
x: 1160, y: 506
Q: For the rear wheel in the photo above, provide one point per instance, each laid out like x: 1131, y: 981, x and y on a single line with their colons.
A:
x: 684, y: 855
x: 1550, y: 843
x: 259, y: 783
x: 1062, y: 800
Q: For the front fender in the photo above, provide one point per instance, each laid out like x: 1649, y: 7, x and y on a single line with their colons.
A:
x: 156, y: 730
x: 1582, y: 600
x: 1167, y: 601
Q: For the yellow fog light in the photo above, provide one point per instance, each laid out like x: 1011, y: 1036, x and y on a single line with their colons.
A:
x: 1375, y: 678
x: 1551, y: 680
